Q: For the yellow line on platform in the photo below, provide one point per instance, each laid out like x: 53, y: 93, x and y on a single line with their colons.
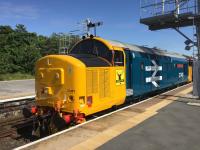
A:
x: 118, y: 129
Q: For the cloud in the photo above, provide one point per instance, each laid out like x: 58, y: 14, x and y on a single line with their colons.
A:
x: 18, y: 11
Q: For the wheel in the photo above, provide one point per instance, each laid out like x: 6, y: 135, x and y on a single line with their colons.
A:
x: 56, y: 123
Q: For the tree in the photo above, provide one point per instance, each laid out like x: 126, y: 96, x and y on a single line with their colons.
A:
x: 20, y: 49
x: 20, y: 28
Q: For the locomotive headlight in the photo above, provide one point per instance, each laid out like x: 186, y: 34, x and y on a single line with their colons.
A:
x: 48, y: 90
x: 82, y: 101
x: 71, y: 98
x: 41, y: 75
x: 57, y: 76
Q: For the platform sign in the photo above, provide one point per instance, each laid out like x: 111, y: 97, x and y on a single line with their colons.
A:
x: 120, y: 77
x: 155, y: 69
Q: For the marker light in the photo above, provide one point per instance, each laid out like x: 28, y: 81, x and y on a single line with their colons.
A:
x: 89, y: 101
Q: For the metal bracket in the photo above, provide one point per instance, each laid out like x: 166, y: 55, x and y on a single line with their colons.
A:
x: 188, y: 39
x: 181, y: 33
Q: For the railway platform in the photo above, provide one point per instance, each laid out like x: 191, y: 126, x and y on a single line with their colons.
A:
x: 166, y: 121
x: 16, y: 89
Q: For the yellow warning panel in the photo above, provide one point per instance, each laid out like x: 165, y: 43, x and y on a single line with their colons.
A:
x: 120, y: 77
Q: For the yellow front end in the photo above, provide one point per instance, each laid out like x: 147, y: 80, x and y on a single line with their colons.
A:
x: 67, y: 85
x: 60, y: 81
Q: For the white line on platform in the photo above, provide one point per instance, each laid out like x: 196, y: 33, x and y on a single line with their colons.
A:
x: 67, y: 130
x: 193, y: 104
x: 16, y: 99
x: 16, y: 80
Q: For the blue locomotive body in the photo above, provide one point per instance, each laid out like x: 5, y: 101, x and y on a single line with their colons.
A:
x: 147, y: 72
x: 152, y: 69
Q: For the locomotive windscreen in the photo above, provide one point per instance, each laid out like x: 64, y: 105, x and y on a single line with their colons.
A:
x: 92, y: 47
x: 91, y: 60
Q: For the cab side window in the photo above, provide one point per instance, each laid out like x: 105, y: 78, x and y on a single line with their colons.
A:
x: 118, y: 58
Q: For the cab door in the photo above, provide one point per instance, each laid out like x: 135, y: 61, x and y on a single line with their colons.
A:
x: 119, y: 73
x: 128, y: 69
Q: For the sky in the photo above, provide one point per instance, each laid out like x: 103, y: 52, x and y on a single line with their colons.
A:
x: 120, y: 20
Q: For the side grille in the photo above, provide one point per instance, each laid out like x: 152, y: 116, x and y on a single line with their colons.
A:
x: 98, y: 80
x: 104, y: 83
x: 92, y: 81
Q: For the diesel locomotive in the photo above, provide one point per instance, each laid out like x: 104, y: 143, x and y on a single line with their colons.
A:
x: 99, y: 74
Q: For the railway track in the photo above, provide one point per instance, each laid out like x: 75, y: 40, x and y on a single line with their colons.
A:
x: 14, y: 113
x: 15, y: 107
x: 10, y: 127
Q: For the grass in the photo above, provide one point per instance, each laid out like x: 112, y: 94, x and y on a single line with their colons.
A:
x: 15, y: 76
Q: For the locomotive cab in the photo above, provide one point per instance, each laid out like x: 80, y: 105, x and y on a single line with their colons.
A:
x: 88, y: 80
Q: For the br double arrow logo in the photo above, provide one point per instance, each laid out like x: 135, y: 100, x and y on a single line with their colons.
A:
x: 155, y: 69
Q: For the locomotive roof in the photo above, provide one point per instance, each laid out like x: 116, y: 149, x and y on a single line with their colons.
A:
x: 144, y: 49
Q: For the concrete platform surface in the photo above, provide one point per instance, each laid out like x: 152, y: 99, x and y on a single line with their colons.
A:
x: 16, y: 88
x: 163, y: 122
x: 175, y: 127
